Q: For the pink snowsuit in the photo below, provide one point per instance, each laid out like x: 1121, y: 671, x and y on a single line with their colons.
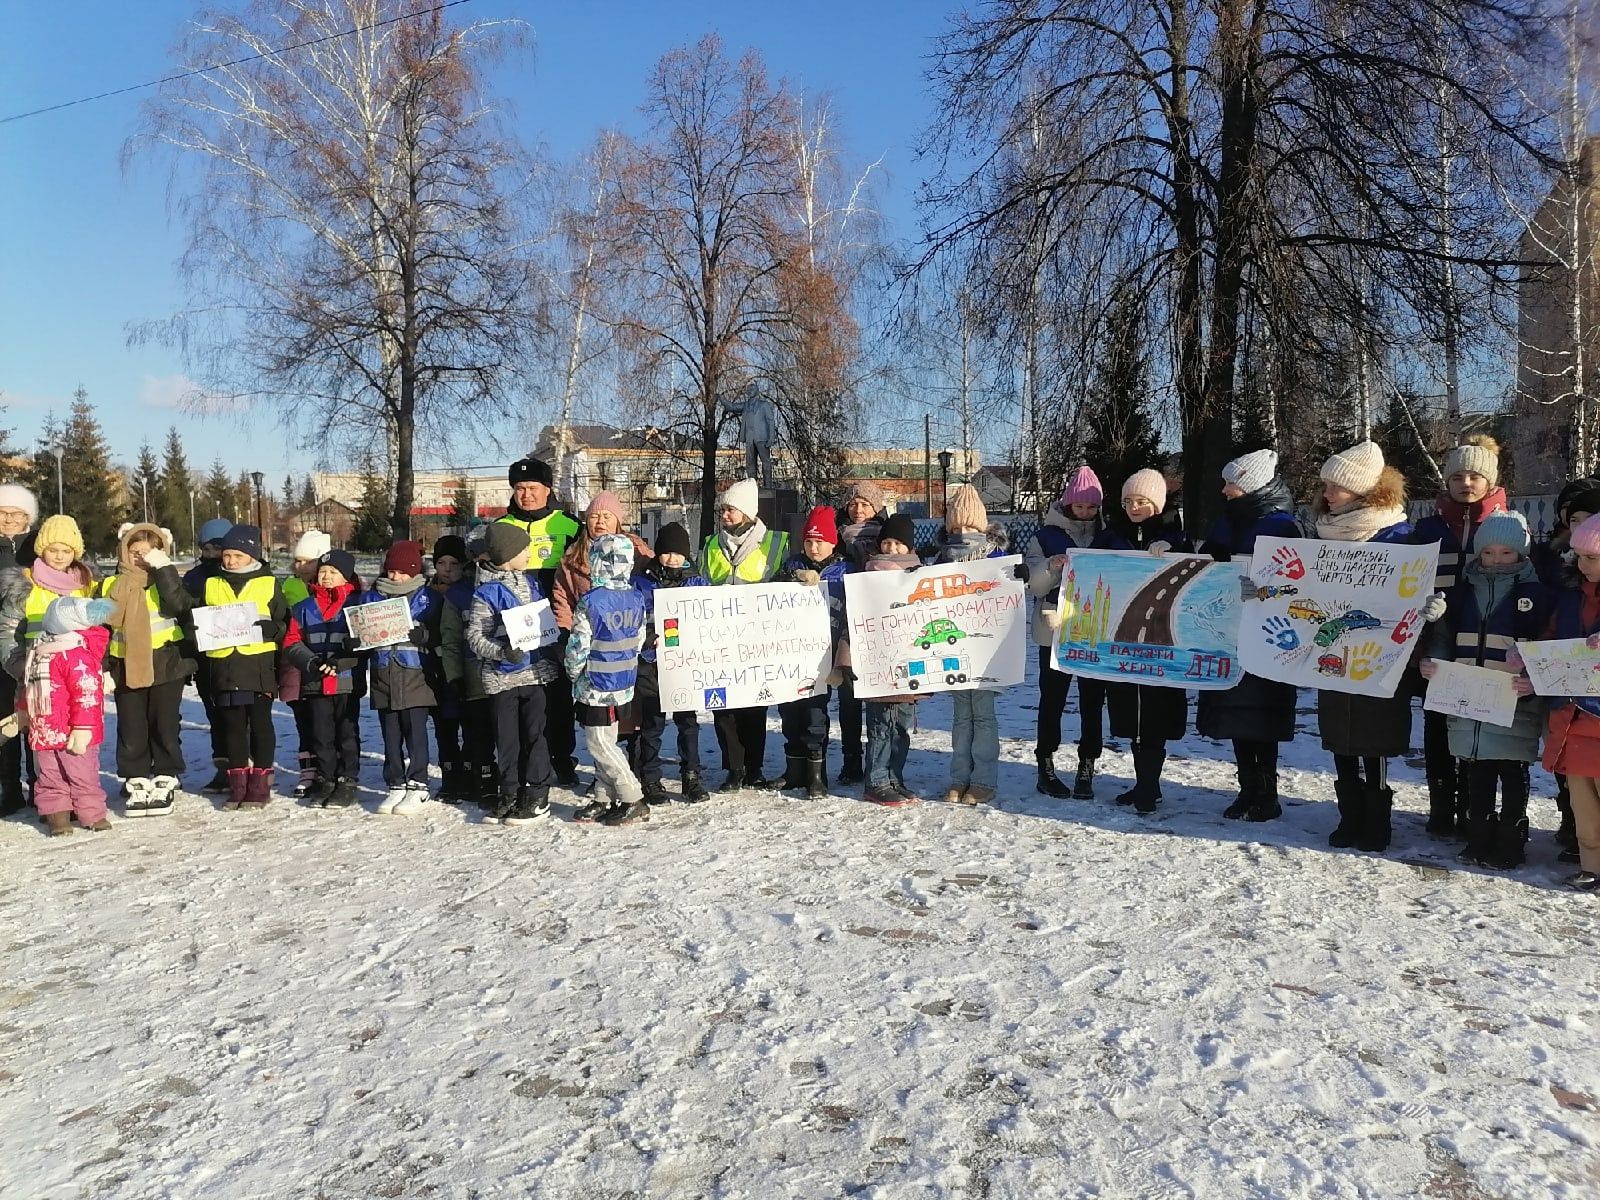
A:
x: 67, y: 782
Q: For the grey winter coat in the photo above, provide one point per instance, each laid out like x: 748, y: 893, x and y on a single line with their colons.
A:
x: 1045, y: 580
x: 486, y: 637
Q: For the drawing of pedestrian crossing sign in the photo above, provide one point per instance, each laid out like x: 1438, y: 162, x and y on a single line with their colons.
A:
x: 766, y: 694
x: 669, y: 630
x: 716, y: 698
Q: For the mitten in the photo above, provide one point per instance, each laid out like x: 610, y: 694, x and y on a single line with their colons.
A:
x: 515, y: 657
x: 78, y: 741
x: 419, y: 635
x: 835, y: 677
x: 809, y: 578
x: 1160, y: 548
x: 1052, y: 617
x: 1433, y: 607
x: 156, y: 558
x: 1020, y: 572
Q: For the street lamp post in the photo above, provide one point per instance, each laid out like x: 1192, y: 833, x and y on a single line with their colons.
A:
x: 144, y: 496
x: 946, y: 457
x: 256, y: 477
x: 61, y: 503
x: 194, y: 530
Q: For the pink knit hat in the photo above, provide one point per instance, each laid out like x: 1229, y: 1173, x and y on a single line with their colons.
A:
x: 1586, y: 537
x: 607, y: 502
x: 1083, y: 488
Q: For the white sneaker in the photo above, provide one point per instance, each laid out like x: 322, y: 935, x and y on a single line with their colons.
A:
x: 163, y: 792
x: 139, y: 797
x: 416, y: 796
x: 392, y: 800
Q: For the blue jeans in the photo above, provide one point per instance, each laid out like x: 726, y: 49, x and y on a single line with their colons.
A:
x: 974, y: 741
x: 888, y: 742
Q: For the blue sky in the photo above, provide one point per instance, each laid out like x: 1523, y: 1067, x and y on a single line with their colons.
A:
x: 87, y: 249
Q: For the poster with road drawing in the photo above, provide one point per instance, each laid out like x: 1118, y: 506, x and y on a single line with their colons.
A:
x: 1337, y: 616
x: 735, y: 647
x: 224, y: 626
x: 948, y: 628
x: 1476, y: 693
x: 1566, y: 667
x: 1130, y: 617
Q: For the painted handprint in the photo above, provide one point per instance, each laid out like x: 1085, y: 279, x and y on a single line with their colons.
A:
x: 1288, y: 562
x: 1405, y: 626
x: 1280, y: 631
x: 1411, y: 577
x: 1364, y: 660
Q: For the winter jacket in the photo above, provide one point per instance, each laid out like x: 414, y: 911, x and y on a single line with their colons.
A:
x: 1254, y: 709
x: 1058, y: 533
x: 22, y: 605
x: 485, y: 633
x: 572, y: 576
x: 77, y: 699
x: 243, y: 669
x: 830, y: 572
x: 403, y: 676
x: 171, y: 660
x: 860, y: 542
x: 549, y: 530
x: 1143, y: 711
x: 654, y: 576
x: 1454, y: 526
x: 1485, y: 614
x: 194, y: 579
x: 17, y: 550
x: 1121, y: 533
x: 318, y: 631
x: 608, y: 630
x: 459, y: 668
x: 1572, y: 739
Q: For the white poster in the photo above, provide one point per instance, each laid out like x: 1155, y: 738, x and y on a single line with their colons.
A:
x: 1476, y: 693
x: 1561, y: 668
x: 380, y: 623
x: 530, y: 626
x: 739, y: 647
x: 1337, y: 616
x: 220, y: 626
x: 951, y: 627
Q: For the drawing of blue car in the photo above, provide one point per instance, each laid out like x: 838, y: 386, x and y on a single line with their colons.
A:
x: 1349, y: 622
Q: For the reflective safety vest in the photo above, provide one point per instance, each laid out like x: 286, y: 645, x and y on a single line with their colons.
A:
x: 258, y: 591
x: 616, y: 620
x: 756, y: 568
x: 547, y: 538
x: 163, y: 630
x: 39, y: 599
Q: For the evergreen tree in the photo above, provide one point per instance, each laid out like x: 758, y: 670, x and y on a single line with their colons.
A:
x: 1120, y: 432
x: 371, y: 530
x: 288, y: 491
x: 176, y: 489
x: 465, y: 510
x: 308, y: 493
x: 244, y: 499
x: 144, y: 490
x: 218, y: 497
x: 92, y: 490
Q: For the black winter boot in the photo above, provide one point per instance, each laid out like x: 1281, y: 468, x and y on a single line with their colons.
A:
x: 1051, y: 784
x: 1147, y: 763
x: 1245, y: 800
x: 1265, y: 807
x: 816, y: 777
x: 1083, y: 782
x: 12, y: 798
x: 693, y: 791
x: 1351, y: 807
x: 794, y: 772
x: 1374, y: 831
x: 852, y: 770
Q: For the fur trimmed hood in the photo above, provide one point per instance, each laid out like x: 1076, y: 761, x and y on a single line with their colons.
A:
x: 1390, y: 492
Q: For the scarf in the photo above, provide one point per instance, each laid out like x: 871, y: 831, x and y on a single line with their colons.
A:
x: 893, y: 562
x: 132, y: 617
x: 393, y: 587
x: 738, y: 544
x: 36, y: 670
x: 62, y: 583
x: 1357, y: 523
x: 861, y: 539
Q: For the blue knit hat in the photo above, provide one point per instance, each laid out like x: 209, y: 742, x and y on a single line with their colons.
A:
x: 1503, y: 529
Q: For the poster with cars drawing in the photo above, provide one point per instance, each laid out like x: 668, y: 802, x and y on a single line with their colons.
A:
x: 1134, y: 618
x: 948, y: 628
x: 734, y: 647
x: 1338, y: 616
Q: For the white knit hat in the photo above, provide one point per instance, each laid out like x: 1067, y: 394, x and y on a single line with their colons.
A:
x: 1356, y: 469
x: 1479, y: 454
x: 14, y: 495
x: 1150, y: 484
x: 313, y: 544
x: 1251, y: 472
x: 744, y: 495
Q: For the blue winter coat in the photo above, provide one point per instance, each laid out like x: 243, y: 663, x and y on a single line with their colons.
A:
x: 403, y: 676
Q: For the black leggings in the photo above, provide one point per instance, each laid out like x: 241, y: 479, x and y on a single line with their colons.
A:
x: 247, y: 735
x: 1262, y: 756
x: 1350, y: 770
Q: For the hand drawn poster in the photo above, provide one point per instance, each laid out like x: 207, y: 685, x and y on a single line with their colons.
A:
x: 380, y: 623
x: 1337, y: 616
x: 1476, y: 693
x: 530, y: 626
x: 1131, y: 617
x: 220, y: 626
x: 948, y: 628
x: 1561, y: 668
x: 735, y: 647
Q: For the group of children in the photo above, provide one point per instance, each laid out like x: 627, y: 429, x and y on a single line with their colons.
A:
x: 502, y: 711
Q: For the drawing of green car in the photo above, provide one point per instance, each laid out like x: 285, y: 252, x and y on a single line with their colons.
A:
x: 942, y: 630
x: 1349, y: 622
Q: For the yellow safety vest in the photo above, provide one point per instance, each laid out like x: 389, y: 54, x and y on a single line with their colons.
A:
x: 547, y: 538
x: 39, y: 599
x: 163, y: 630
x: 756, y: 568
x: 259, y: 591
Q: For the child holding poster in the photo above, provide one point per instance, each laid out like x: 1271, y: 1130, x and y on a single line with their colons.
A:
x: 401, y: 679
x: 1572, y: 741
x: 672, y: 566
x: 1364, y: 500
x: 888, y: 738
x: 1498, y: 601
x: 307, y: 556
x: 974, y: 728
x: 318, y: 645
x: 1147, y: 715
x: 805, y: 721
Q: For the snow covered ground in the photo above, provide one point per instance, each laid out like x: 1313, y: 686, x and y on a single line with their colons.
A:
x: 763, y: 997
